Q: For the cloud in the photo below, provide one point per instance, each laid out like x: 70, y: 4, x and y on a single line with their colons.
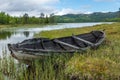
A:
x: 67, y: 11
x: 32, y: 6
x: 70, y: 11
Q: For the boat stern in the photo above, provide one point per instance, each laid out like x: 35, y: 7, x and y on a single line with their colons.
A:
x: 10, y: 47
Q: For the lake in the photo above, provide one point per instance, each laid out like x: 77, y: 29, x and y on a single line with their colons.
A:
x: 15, y: 35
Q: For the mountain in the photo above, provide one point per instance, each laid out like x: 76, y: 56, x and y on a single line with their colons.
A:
x: 93, y: 17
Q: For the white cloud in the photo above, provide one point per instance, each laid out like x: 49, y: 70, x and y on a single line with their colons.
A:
x: 42, y: 1
x: 31, y: 6
x: 66, y: 11
x: 70, y: 11
x: 35, y: 7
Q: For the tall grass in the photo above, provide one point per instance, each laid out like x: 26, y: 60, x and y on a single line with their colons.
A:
x: 49, y: 68
x: 103, y: 63
x: 100, y: 64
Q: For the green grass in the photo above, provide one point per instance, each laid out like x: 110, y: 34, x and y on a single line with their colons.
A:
x: 49, y: 68
x: 109, y: 29
x: 100, y: 64
x: 4, y: 26
x: 23, y: 25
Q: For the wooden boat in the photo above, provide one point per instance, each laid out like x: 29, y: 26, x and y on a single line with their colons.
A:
x: 35, y: 48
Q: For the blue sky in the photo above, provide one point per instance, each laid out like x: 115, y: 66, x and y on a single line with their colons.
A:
x: 88, y: 6
x: 91, y: 5
x: 59, y: 7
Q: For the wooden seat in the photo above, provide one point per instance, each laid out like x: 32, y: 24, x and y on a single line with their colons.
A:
x: 83, y: 40
x: 66, y: 44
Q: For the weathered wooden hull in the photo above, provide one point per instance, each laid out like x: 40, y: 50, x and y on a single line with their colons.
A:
x: 45, y: 47
x: 30, y: 55
x: 23, y: 56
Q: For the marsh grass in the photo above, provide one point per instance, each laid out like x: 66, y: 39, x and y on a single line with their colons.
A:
x: 49, y: 68
x: 24, y: 25
x: 100, y: 64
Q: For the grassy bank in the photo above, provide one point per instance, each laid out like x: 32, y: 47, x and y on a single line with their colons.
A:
x: 4, y: 26
x: 109, y: 28
x: 25, y: 25
x: 20, y: 25
x: 100, y: 64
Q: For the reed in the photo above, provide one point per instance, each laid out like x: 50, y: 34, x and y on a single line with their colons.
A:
x: 49, y: 68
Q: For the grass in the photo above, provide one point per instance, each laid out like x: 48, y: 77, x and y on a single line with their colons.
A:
x: 100, y: 64
x: 23, y: 25
x: 69, y: 32
x: 51, y: 68
x: 4, y: 26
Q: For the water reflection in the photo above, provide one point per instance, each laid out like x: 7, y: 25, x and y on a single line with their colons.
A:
x: 12, y: 37
x: 26, y: 33
x: 5, y: 34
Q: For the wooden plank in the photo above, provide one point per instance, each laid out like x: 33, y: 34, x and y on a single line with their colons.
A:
x: 80, y: 39
x: 69, y: 45
x: 42, y: 44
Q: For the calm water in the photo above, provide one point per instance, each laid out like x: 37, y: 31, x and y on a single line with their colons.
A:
x: 15, y: 35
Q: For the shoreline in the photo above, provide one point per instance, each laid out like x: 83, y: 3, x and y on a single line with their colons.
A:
x: 23, y: 25
x: 70, y: 31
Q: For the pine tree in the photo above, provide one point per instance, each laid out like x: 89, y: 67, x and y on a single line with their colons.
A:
x: 25, y: 18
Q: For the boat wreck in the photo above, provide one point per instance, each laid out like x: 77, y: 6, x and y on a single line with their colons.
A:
x: 37, y: 47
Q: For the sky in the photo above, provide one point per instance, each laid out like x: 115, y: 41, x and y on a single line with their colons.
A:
x: 58, y: 7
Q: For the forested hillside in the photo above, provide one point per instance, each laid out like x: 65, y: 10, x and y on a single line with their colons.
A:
x: 68, y: 18
x: 94, y: 17
x: 26, y: 19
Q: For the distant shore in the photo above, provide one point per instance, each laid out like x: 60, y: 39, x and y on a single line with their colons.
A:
x: 23, y: 25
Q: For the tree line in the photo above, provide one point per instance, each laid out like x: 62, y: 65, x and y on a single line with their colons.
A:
x: 94, y: 17
x: 68, y: 18
x: 26, y: 19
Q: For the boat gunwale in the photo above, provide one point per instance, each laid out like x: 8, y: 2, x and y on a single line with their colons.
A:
x: 59, y: 51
